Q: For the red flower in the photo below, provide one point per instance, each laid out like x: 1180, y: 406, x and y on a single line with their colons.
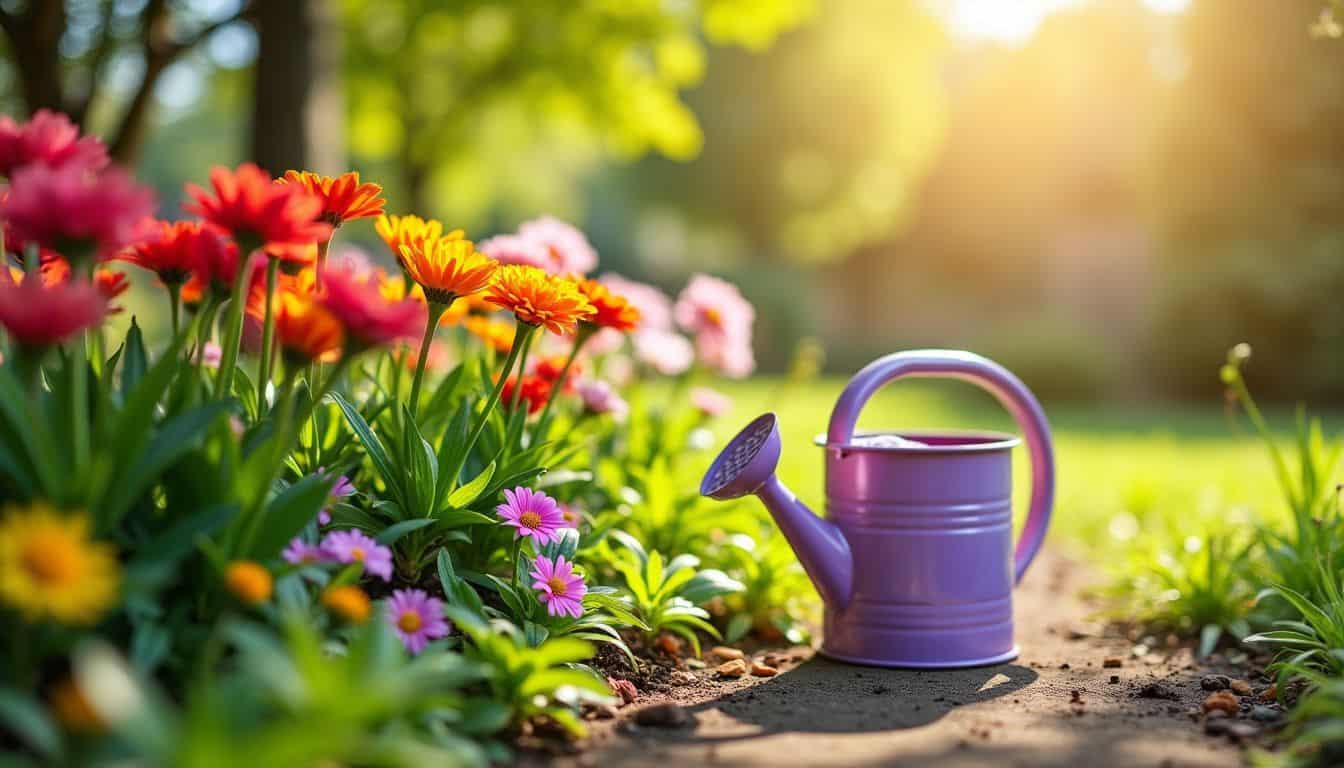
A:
x: 343, y: 197
x: 536, y: 391
x: 49, y: 139
x: 369, y: 319
x: 111, y: 284
x: 174, y: 250
x: 71, y: 209
x: 40, y: 315
x: 549, y: 368
x: 256, y: 211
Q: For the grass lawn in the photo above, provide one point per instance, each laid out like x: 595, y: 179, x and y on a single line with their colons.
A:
x: 1132, y: 481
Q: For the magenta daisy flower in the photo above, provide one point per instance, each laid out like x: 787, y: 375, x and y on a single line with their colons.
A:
x: 300, y: 552
x: 341, y: 490
x: 355, y: 547
x: 558, y: 587
x: 417, y: 618
x: 533, y: 513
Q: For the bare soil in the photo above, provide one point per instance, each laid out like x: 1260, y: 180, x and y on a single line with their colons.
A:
x: 1080, y: 695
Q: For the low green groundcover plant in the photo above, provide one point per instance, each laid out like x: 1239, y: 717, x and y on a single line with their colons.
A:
x: 328, y: 514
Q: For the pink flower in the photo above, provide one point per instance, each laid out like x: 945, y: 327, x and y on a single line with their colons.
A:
x: 341, y: 490
x: 211, y: 354
x: 71, y: 208
x: 355, y: 547
x: 512, y: 249
x: 532, y: 513
x: 368, y: 318
x: 667, y: 352
x: 598, y: 397
x: 655, y: 308
x: 299, y: 552
x: 714, y: 311
x: 39, y: 315
x: 558, y: 587
x: 49, y: 139
x: 710, y: 402
x: 417, y: 618
x: 568, y: 251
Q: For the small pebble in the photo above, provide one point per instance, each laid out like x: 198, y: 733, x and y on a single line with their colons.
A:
x: 763, y: 670
x: 1214, y: 682
x: 1270, y: 694
x: 734, y: 668
x: 1240, y: 687
x: 1157, y: 691
x: 680, y: 677
x: 664, y: 716
x: 670, y: 644
x: 725, y: 653
x: 1115, y: 679
x: 624, y: 689
x: 1112, y: 663
x: 1225, y: 701
x: 1265, y: 714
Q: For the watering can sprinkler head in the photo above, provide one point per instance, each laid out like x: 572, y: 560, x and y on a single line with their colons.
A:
x: 747, y: 466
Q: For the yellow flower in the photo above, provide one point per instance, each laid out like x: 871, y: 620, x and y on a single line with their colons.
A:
x: 540, y: 299
x: 50, y: 568
x: 397, y: 231
x: 248, y: 581
x: 447, y: 267
x: 498, y: 334
x: 349, y: 603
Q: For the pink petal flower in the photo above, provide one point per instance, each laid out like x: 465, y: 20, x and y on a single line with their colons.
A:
x: 49, y: 139
x: 568, y: 251
x: 355, y: 547
x: 667, y: 352
x: 714, y: 311
x: 512, y: 249
x: 300, y: 552
x: 416, y: 618
x: 558, y: 587
x: 710, y: 402
x: 531, y: 513
x: 71, y: 206
x: 598, y: 397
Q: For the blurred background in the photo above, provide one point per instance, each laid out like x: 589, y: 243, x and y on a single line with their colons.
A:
x: 1103, y: 194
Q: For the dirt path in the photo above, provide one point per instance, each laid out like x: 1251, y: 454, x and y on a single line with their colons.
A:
x: 820, y: 713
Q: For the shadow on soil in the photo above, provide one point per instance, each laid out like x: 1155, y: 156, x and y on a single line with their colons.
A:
x: 823, y: 696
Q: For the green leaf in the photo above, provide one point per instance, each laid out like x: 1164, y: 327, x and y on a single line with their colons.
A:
x: 738, y: 627
x: 136, y: 362
x: 464, y: 496
x: 546, y: 682
x: 372, y: 446
x: 26, y: 719
x: 454, y: 518
x: 389, y: 535
x: 181, y: 538
x: 287, y: 514
x: 456, y: 589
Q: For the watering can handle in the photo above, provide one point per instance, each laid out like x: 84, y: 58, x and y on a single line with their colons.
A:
x: 993, y: 378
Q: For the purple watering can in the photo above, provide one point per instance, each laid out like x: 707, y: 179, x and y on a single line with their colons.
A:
x: 915, y: 561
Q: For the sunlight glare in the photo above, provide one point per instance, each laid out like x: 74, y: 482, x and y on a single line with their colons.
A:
x: 1015, y: 21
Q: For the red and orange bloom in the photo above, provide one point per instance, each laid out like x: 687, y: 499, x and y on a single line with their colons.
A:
x: 447, y: 267
x: 343, y: 197
x: 398, y: 231
x: 612, y: 310
x: 307, y: 331
x: 255, y: 211
x: 369, y: 320
x: 38, y: 315
x: 552, y: 368
x: 533, y: 395
x: 539, y: 299
x: 497, y: 334
x: 73, y: 211
x: 172, y: 250
x: 111, y: 284
x: 49, y: 139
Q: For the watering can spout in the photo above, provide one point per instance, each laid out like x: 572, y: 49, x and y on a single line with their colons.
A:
x: 747, y: 466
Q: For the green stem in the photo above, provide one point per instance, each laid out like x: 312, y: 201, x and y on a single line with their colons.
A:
x: 79, y: 403
x: 522, y: 367
x: 522, y: 337
x: 321, y: 263
x: 436, y: 311
x: 174, y: 304
x: 267, y: 334
x: 32, y: 259
x: 513, y: 561
x: 205, y: 330
x: 233, y: 325
x: 581, y: 337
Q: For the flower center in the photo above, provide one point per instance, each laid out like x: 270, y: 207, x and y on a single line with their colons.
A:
x: 557, y: 585
x: 408, y: 622
x: 51, y: 560
x: 530, y: 519
x: 357, y: 553
x: 714, y: 316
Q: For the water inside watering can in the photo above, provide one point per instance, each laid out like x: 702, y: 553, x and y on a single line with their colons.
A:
x: 886, y: 441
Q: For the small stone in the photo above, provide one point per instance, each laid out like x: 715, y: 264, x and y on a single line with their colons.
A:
x: 664, y: 716
x: 1270, y: 694
x: 1075, y: 696
x: 1215, y: 682
x: 734, y: 668
x: 1225, y: 701
x: 763, y: 670
x: 1065, y: 665
x: 1265, y: 714
x: 1158, y: 691
x: 624, y: 689
x: 1240, y: 687
x: 1112, y: 663
x: 680, y: 677
x: 1115, y: 679
x: 726, y: 654
x: 671, y: 644
x: 695, y: 664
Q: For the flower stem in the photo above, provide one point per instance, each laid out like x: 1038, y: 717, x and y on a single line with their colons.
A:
x: 267, y: 333
x: 174, y: 304
x: 436, y: 311
x: 522, y: 337
x: 581, y: 337
x: 522, y: 366
x: 233, y: 326
x: 513, y: 561
x: 321, y: 264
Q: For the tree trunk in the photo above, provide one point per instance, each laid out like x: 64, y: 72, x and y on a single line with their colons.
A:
x: 298, y: 112
x: 34, y: 39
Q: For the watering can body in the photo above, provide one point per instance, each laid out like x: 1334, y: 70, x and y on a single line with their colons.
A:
x: 915, y: 560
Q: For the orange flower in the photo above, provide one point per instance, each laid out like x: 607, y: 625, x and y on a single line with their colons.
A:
x: 539, y: 299
x: 111, y: 284
x: 551, y: 367
x: 498, y: 334
x: 256, y: 211
x: 398, y: 231
x: 536, y: 391
x: 447, y: 267
x: 613, y: 310
x: 248, y: 581
x: 349, y: 603
x: 305, y: 330
x: 343, y: 197
x: 173, y: 250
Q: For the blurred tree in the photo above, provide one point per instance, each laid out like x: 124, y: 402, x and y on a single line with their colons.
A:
x: 297, y: 113
x: 458, y: 99
x: 74, y: 55
x: 1250, y: 201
